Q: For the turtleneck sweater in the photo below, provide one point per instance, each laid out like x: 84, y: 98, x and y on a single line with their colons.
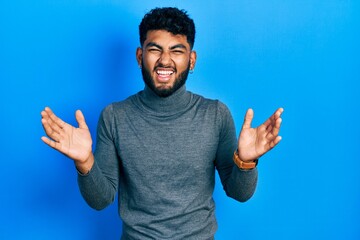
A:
x: 160, y: 155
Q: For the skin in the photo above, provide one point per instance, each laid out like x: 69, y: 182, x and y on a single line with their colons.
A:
x: 255, y: 142
x: 75, y: 143
x: 161, y: 51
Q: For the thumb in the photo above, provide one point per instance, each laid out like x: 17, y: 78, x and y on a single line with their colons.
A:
x: 81, y: 120
x: 248, y: 119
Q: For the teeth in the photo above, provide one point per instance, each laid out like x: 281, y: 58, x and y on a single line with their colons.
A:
x: 164, y: 72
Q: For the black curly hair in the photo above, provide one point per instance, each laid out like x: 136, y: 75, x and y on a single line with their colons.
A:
x: 171, y: 19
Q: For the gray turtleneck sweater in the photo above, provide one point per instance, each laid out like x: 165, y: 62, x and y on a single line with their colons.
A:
x: 160, y: 155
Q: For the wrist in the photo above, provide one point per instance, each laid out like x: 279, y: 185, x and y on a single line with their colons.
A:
x: 246, y: 165
x: 84, y: 167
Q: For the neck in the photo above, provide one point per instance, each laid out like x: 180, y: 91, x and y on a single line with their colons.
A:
x: 172, y: 104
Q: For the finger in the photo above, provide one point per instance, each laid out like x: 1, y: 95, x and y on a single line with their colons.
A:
x: 281, y: 110
x: 276, y: 128
x: 45, y: 116
x: 54, y: 126
x: 49, y: 125
x: 60, y: 123
x: 49, y: 130
x: 278, y: 113
x: 272, y: 119
x: 272, y: 130
x: 81, y: 119
x: 272, y: 144
x: 54, y: 145
x: 269, y: 128
x: 269, y: 121
x: 248, y: 119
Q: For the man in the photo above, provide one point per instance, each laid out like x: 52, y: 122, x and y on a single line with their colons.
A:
x: 160, y: 147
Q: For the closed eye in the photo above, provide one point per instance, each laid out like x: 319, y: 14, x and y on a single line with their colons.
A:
x: 154, y: 50
x: 177, y: 51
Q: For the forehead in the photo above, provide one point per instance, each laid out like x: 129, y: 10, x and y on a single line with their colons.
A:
x: 165, y: 38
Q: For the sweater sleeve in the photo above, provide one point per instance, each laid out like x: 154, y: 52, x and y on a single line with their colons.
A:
x: 237, y: 183
x: 99, y: 186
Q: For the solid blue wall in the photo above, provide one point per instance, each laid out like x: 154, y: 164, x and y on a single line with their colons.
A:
x: 300, y: 55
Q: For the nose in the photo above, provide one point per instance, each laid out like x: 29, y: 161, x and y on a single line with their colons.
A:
x: 165, y: 58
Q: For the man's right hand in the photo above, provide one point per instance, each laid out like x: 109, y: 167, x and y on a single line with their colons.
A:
x: 75, y: 143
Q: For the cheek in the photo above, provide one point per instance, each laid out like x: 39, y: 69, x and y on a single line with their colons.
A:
x: 149, y: 62
x: 182, y: 64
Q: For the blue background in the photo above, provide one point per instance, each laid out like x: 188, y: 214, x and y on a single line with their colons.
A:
x: 80, y: 54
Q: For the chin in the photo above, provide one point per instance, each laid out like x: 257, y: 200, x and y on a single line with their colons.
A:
x: 164, y: 89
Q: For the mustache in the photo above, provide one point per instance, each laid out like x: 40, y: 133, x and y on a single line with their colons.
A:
x: 160, y: 65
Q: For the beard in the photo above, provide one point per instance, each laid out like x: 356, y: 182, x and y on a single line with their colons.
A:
x: 164, y: 92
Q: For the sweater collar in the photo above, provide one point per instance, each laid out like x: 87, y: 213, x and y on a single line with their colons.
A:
x: 175, y: 103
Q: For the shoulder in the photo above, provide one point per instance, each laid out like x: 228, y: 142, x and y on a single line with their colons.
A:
x: 120, y: 106
x: 215, y: 105
x: 111, y: 112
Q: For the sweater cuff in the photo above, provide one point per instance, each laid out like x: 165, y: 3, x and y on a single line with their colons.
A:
x: 85, y: 174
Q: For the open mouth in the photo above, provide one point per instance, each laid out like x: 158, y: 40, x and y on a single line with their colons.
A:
x: 164, y: 72
x: 164, y: 75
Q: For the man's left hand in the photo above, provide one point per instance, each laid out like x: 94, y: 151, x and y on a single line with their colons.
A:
x: 255, y: 142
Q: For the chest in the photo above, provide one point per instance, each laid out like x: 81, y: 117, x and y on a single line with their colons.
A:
x: 168, y: 148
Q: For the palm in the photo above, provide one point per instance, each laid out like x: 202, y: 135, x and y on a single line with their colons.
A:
x: 254, y: 142
x: 74, y: 142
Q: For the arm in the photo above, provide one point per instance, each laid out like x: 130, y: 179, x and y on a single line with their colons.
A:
x: 99, y: 187
x: 253, y: 143
x: 237, y: 183
x: 76, y: 143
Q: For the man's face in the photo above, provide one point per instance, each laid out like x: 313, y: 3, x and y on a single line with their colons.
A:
x: 165, y: 60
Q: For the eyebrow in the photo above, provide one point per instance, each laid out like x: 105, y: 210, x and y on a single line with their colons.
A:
x: 153, y: 44
x: 178, y: 46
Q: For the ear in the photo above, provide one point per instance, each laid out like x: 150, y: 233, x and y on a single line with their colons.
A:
x: 139, y: 53
x: 193, y: 57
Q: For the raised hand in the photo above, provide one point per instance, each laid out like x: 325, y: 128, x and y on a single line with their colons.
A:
x: 255, y: 142
x: 76, y: 143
